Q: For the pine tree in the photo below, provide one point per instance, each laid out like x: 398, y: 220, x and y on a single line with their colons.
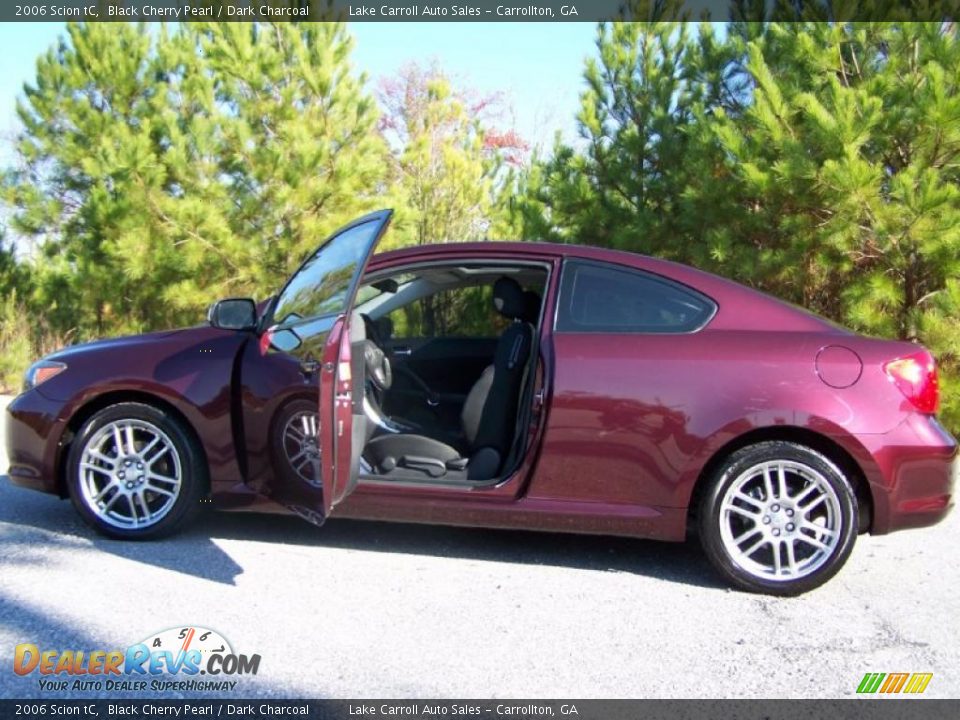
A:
x: 846, y: 167
x: 297, y: 138
x: 14, y: 274
x: 161, y: 169
x: 628, y: 188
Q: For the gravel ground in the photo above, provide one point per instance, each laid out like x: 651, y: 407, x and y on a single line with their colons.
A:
x: 360, y: 609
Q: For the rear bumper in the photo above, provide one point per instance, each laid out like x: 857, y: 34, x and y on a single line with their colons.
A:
x: 912, y: 472
x: 32, y: 438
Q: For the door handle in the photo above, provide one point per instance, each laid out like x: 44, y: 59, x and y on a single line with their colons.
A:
x: 405, y: 351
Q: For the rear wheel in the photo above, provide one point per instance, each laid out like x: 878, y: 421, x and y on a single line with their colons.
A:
x: 296, y: 442
x: 135, y: 472
x: 778, y: 518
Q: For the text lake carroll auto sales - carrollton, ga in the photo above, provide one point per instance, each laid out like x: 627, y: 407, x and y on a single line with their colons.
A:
x: 418, y: 709
x: 151, y: 664
x: 461, y: 11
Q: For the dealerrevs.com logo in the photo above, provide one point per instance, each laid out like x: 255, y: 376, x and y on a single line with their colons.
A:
x: 166, y: 661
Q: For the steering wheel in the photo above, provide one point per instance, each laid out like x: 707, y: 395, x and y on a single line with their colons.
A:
x: 377, y: 366
x: 379, y: 369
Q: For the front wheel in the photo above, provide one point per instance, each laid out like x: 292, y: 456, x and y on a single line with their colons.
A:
x: 134, y: 472
x: 778, y: 518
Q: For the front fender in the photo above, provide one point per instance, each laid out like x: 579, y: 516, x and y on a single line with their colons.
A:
x: 193, y: 374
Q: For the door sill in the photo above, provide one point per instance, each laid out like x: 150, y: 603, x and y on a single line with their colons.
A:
x: 401, y: 478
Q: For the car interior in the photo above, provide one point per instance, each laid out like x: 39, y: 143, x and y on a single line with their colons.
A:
x: 448, y: 357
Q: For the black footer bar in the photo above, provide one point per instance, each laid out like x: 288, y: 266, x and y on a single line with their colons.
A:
x: 880, y: 708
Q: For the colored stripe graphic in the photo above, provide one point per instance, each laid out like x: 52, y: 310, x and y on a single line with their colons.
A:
x: 918, y: 682
x: 870, y: 682
x: 892, y: 683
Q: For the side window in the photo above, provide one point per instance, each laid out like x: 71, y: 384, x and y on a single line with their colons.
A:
x: 457, y: 312
x: 321, y: 285
x: 603, y: 298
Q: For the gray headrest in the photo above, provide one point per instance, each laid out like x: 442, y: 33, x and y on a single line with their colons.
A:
x: 508, y: 298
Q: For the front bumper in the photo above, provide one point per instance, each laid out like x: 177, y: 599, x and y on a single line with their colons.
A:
x: 913, y: 471
x: 33, y: 432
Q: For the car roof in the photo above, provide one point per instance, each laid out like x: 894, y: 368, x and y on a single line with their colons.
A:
x: 526, y: 249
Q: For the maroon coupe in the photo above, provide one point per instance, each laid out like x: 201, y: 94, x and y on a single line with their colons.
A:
x: 520, y: 385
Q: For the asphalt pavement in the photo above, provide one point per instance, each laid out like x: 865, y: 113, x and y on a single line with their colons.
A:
x: 364, y: 610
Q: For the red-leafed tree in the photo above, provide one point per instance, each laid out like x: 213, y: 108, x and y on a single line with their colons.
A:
x: 450, y: 156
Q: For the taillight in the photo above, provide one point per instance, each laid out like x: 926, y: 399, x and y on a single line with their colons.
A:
x: 915, y: 375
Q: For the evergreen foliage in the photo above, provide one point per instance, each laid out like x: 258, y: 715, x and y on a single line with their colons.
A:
x: 161, y: 170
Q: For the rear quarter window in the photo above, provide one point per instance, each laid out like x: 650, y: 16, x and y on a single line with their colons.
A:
x: 601, y: 298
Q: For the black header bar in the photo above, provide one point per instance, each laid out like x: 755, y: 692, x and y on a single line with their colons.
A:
x: 475, y: 10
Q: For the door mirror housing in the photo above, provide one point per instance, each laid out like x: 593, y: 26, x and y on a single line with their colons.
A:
x: 233, y: 314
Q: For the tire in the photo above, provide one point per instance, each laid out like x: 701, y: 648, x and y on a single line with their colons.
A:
x: 778, y: 533
x: 295, y: 443
x: 135, y: 472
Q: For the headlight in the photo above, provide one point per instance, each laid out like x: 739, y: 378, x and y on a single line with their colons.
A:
x: 41, y: 371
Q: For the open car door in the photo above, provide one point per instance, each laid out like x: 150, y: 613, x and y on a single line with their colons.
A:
x: 311, y: 322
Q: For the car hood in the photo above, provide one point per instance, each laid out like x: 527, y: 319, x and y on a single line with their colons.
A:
x: 130, y: 341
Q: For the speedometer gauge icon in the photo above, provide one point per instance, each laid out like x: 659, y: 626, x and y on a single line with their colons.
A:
x: 189, y: 637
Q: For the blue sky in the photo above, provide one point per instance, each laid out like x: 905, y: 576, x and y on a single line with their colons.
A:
x: 536, y: 65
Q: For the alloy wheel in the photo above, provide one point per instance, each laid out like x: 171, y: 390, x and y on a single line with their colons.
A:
x: 130, y: 474
x: 301, y: 446
x: 780, y: 520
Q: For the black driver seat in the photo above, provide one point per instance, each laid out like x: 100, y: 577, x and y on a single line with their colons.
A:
x: 489, y: 412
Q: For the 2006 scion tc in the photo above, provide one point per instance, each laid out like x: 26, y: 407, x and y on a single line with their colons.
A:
x: 566, y: 389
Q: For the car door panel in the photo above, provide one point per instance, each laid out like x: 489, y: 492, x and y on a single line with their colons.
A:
x: 303, y: 358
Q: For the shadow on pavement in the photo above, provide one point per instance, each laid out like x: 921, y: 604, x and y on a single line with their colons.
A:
x: 673, y: 562
x: 43, y: 522
x: 194, y: 551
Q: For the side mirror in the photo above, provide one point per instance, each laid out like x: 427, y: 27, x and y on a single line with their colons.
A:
x: 285, y: 340
x: 233, y: 314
